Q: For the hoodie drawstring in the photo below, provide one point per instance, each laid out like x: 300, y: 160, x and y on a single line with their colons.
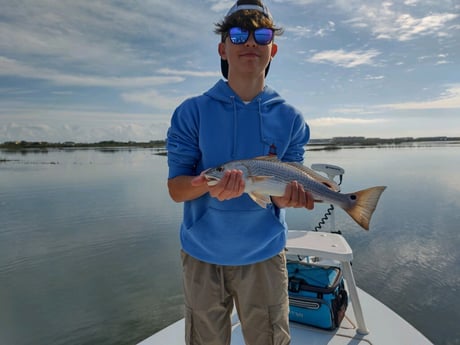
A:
x: 235, y: 127
x: 261, y: 121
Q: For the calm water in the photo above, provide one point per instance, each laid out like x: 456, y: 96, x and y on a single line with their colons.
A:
x: 89, y: 250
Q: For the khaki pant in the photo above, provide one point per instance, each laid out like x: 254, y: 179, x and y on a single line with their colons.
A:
x: 259, y: 292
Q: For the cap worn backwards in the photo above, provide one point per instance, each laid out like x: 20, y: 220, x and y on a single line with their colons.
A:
x: 240, y: 6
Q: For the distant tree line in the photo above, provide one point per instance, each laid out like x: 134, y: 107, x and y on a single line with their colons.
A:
x: 160, y: 144
x: 352, y: 140
x: 70, y: 144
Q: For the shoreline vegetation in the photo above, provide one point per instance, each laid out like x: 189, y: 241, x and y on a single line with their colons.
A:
x: 159, y: 146
x: 339, y: 141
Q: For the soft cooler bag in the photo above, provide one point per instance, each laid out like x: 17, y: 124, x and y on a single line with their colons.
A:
x: 317, y: 295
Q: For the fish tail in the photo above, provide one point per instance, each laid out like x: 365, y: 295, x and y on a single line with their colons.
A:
x: 365, y: 202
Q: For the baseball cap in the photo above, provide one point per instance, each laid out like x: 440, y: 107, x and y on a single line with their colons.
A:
x: 241, y: 5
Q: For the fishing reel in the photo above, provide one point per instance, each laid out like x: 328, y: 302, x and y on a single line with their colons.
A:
x: 330, y: 170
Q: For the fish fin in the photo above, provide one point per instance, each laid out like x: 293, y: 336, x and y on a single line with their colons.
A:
x: 268, y: 158
x: 364, y: 207
x: 261, y: 199
x: 316, y: 176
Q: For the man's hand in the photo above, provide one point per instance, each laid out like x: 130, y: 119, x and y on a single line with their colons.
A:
x: 294, y: 196
x: 229, y: 187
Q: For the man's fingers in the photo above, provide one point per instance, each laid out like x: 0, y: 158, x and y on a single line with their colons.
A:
x: 230, y: 186
x: 310, y: 201
x: 296, y: 196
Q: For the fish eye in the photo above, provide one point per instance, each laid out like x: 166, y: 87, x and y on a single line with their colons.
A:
x: 220, y: 169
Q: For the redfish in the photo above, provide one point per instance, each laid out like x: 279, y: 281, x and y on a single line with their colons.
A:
x: 268, y: 176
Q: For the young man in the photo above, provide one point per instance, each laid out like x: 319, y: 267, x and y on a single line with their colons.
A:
x: 232, y: 249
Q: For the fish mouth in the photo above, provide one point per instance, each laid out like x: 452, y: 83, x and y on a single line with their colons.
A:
x: 211, y: 180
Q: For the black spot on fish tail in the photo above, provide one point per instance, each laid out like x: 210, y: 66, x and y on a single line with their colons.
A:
x: 364, y: 204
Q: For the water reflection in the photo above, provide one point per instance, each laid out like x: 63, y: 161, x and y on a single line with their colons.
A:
x: 89, y: 245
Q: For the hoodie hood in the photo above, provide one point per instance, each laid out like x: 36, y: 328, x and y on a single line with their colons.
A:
x: 249, y: 119
x: 222, y: 92
x: 268, y: 120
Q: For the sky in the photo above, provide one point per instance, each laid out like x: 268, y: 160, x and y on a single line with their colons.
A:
x: 90, y: 70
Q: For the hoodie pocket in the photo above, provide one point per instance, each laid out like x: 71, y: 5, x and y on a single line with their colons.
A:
x: 235, y: 235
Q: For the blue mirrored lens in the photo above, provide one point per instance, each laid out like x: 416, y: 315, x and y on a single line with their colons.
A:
x: 263, y: 36
x: 238, y: 35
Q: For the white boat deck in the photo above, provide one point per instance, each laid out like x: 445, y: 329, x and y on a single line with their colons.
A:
x: 367, y: 321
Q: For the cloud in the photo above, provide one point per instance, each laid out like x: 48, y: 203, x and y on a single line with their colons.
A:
x: 97, y: 36
x: 330, y: 27
x: 85, y: 34
x: 296, y: 2
x: 353, y: 111
x: 374, y: 77
x: 300, y: 31
x: 221, y: 5
x: 345, y: 59
x: 83, y: 132
x: 450, y: 99
x: 336, y: 121
x: 407, y: 27
x: 153, y: 98
x: 61, y: 124
x: 10, y: 67
x: 174, y: 72
x: 386, y: 22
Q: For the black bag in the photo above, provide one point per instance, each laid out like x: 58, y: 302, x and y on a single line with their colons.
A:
x: 317, y: 295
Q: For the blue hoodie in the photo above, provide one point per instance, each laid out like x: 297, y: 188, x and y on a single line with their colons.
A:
x: 217, y: 127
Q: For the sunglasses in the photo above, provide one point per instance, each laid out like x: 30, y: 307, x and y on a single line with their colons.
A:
x: 262, y: 36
